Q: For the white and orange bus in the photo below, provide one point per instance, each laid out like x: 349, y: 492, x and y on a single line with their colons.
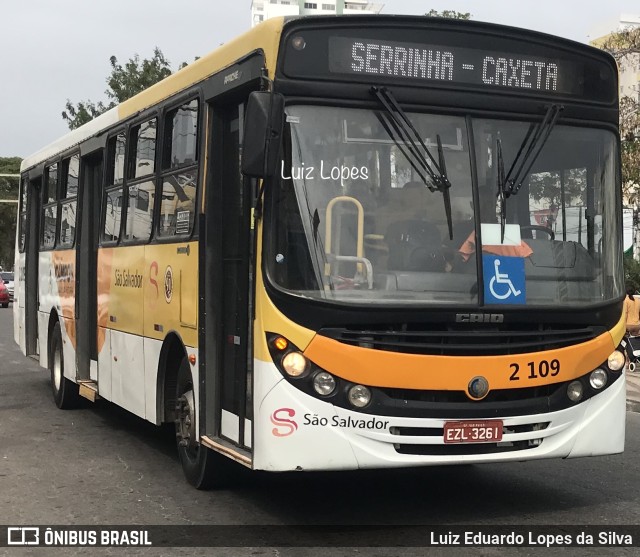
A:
x: 320, y: 247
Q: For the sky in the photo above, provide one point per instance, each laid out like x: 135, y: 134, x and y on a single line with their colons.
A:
x: 54, y: 51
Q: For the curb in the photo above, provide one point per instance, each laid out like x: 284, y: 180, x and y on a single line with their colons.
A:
x: 633, y: 406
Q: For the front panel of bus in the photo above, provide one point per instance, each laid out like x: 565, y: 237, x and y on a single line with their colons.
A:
x: 441, y: 249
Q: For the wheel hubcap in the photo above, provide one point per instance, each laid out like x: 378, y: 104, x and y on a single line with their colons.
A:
x: 57, y: 370
x: 185, y: 421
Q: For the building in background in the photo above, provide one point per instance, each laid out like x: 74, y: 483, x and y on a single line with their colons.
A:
x: 265, y: 9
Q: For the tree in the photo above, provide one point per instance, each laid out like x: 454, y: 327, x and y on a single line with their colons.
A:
x: 450, y: 14
x: 83, y: 112
x: 630, y: 136
x: 547, y: 186
x: 631, y: 273
x: 123, y: 83
x: 8, y: 211
x: 624, y: 46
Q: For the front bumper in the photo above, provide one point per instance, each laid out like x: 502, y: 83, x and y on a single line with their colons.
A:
x: 294, y: 431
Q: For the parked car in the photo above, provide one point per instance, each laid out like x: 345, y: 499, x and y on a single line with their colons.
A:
x: 7, y: 278
x: 4, y: 295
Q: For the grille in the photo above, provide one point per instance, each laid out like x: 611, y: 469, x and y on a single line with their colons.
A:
x: 457, y: 341
x: 501, y: 395
x: 463, y: 449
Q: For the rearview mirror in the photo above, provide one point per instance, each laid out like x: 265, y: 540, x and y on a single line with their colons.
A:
x: 263, y: 125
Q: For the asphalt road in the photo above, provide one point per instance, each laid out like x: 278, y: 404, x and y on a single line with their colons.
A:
x: 101, y: 465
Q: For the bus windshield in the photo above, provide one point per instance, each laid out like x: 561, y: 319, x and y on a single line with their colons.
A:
x: 357, y: 220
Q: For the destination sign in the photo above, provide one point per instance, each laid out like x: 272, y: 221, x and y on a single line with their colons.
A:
x: 454, y: 65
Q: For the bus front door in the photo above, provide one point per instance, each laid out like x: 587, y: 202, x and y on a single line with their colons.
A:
x: 228, y: 284
x: 86, y: 264
x: 32, y: 257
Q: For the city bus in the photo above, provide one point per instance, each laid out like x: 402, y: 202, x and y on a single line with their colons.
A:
x: 340, y: 243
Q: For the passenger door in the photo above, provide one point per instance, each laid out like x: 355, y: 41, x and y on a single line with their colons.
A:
x: 29, y: 294
x: 231, y: 260
x: 227, y: 260
x: 86, y: 264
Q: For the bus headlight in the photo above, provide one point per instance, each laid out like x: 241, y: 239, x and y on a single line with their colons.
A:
x: 616, y: 360
x: 598, y: 378
x: 295, y: 364
x: 575, y: 391
x: 359, y: 396
x: 324, y: 383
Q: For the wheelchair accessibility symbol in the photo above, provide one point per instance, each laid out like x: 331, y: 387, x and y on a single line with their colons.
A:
x: 504, y: 280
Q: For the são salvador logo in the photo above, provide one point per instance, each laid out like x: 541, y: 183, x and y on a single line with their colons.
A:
x: 284, y: 426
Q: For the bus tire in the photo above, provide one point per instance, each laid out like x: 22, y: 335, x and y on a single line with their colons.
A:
x: 202, y: 467
x: 65, y: 392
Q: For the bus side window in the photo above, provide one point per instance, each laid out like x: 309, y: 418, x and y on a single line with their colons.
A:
x: 23, y: 213
x: 179, y: 171
x: 50, y: 208
x: 141, y: 194
x: 69, y: 198
x: 112, y: 199
x: 177, y: 209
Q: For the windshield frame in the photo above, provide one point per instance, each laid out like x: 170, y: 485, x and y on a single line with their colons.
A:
x: 292, y: 298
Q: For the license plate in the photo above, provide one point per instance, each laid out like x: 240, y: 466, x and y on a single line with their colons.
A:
x: 482, y: 431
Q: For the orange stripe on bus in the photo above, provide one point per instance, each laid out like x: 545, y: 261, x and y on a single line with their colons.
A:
x: 380, y: 368
x: 64, y: 268
x: 105, y: 257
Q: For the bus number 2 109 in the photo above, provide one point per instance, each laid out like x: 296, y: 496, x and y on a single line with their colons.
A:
x: 543, y: 368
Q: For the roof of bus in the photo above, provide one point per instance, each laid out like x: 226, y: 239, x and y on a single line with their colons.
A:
x: 265, y: 37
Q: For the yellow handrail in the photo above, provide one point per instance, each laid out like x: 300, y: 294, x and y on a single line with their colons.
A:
x: 329, y: 218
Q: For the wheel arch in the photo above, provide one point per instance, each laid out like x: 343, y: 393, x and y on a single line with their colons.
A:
x: 171, y: 354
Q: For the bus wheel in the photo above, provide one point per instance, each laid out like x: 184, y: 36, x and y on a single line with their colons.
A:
x: 203, y: 468
x: 65, y: 392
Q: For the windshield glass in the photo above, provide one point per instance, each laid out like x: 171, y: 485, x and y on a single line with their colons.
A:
x: 562, y: 223
x: 355, y: 219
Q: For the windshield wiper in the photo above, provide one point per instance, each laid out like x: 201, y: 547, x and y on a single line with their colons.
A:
x: 528, y: 152
x: 433, y: 173
x: 501, y: 194
x: 531, y: 146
